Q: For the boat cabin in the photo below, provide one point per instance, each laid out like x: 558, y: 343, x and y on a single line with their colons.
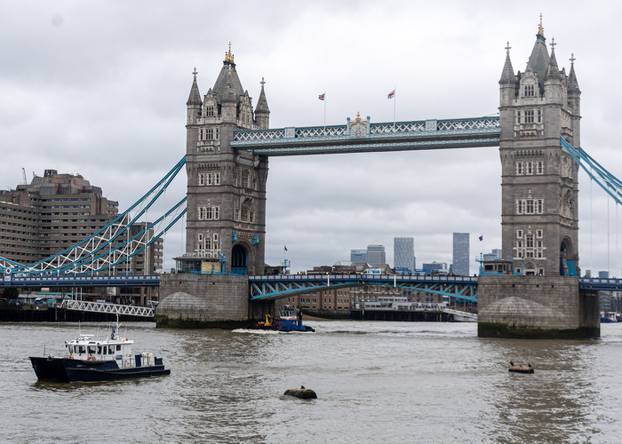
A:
x: 87, y: 348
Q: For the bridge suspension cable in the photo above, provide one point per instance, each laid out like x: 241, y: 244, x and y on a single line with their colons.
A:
x: 108, y: 246
x: 605, y: 180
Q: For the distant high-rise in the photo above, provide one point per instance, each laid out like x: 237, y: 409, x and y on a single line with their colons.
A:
x: 461, y: 254
x: 434, y: 267
x: 376, y: 255
x: 358, y: 256
x: 495, y: 254
x: 404, y: 254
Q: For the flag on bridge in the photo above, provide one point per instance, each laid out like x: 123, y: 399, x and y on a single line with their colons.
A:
x: 481, y: 237
x: 391, y: 94
x: 322, y: 96
x: 285, y: 247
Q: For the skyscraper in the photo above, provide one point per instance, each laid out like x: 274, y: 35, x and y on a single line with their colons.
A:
x: 404, y: 254
x: 376, y: 255
x: 358, y: 256
x: 461, y: 254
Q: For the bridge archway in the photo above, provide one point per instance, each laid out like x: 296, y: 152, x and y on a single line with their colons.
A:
x: 567, y: 258
x: 239, y: 259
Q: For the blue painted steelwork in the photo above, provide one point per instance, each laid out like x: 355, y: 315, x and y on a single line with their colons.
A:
x: 107, y: 244
x: 82, y: 281
x: 607, y: 181
x: 265, y: 288
x: 612, y: 284
x: 371, y: 137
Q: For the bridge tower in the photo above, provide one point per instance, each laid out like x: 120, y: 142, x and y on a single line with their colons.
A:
x: 539, y: 219
x: 540, y: 188
x: 226, y: 187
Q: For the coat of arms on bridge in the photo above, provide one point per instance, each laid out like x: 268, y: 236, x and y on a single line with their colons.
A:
x: 358, y: 127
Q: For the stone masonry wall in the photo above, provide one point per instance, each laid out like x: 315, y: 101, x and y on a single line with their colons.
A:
x: 189, y: 300
x: 546, y: 307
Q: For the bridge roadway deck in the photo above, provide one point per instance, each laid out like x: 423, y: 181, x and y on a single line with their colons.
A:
x: 282, y: 281
x: 83, y: 281
x: 361, y: 136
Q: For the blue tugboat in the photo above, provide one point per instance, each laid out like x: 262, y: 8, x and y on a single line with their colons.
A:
x: 290, y: 319
x: 90, y: 360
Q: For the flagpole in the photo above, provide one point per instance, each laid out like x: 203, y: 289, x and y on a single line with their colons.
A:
x: 394, y: 106
x: 324, y: 111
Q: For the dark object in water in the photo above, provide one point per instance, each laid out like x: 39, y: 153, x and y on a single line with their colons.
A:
x: 302, y: 393
x: 520, y: 368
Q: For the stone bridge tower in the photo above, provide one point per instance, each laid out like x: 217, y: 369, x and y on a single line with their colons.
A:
x: 539, y: 180
x: 539, y: 219
x: 226, y: 188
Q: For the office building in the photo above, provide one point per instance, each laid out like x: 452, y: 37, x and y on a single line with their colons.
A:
x: 404, y: 254
x: 460, y: 265
x: 376, y: 255
x: 358, y: 256
x: 435, y: 267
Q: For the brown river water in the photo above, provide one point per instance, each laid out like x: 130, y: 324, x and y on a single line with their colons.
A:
x: 376, y: 382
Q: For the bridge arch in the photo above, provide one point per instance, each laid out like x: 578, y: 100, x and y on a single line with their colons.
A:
x: 567, y: 255
x: 240, y: 258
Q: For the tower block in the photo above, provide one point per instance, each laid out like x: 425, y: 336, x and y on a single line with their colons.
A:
x: 539, y: 220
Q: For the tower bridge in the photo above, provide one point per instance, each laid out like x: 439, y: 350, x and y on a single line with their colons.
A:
x: 228, y: 146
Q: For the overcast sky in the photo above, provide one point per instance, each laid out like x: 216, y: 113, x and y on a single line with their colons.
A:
x: 99, y: 88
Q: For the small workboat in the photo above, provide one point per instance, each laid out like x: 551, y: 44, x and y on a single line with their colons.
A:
x: 520, y: 368
x: 289, y: 320
x: 89, y: 359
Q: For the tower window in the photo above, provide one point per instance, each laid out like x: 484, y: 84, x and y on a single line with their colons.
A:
x: 539, y: 234
x: 529, y: 91
x: 540, y: 167
x: 520, y: 168
x: 519, y: 234
x: 209, y: 134
x: 529, y: 168
x: 539, y: 114
x: 209, y: 111
x: 201, y: 179
x: 529, y: 116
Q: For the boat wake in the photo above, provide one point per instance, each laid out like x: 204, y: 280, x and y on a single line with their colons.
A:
x: 252, y: 331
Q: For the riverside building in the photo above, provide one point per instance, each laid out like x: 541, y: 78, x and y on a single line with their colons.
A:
x: 56, y: 211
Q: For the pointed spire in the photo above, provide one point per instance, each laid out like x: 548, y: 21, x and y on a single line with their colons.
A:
x: 262, y: 103
x: 552, y: 71
x: 195, y: 97
x: 539, y: 58
x: 573, y: 85
x: 507, y: 75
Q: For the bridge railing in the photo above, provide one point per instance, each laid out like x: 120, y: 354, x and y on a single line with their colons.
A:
x: 335, y: 132
x: 101, y: 307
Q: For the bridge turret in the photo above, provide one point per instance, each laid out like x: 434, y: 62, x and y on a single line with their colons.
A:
x: 194, y: 103
x: 553, y: 92
x: 262, y: 112
x: 508, y: 84
x: 574, y: 103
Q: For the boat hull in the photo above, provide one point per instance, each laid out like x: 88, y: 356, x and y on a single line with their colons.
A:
x: 73, y: 370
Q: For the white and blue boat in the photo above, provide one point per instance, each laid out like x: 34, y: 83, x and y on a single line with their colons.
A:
x: 89, y: 359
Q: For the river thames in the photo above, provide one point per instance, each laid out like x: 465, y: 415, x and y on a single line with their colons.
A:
x: 376, y: 382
